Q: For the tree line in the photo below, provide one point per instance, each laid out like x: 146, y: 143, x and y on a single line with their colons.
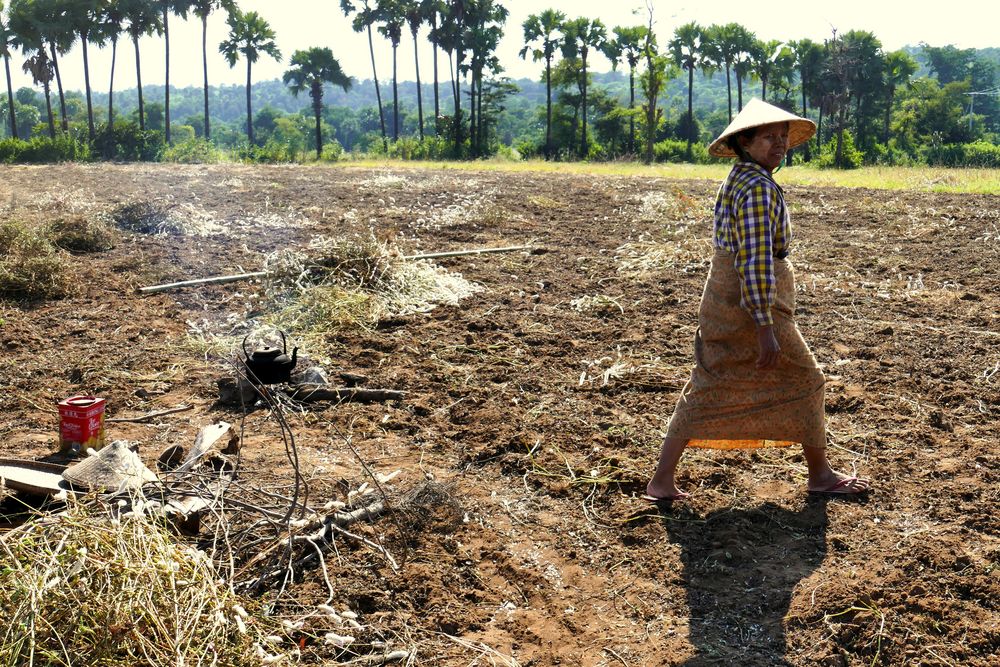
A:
x: 870, y: 104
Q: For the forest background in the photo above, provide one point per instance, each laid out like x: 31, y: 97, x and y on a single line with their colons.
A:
x: 663, y: 101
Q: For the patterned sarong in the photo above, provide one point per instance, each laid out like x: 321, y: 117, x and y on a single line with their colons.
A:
x: 731, y: 404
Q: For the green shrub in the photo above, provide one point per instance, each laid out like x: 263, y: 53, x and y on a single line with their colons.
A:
x: 42, y: 150
x: 851, y: 157
x: 676, y: 150
x: 975, y: 154
x: 332, y: 151
x: 193, y: 151
x: 272, y: 152
x: 125, y: 141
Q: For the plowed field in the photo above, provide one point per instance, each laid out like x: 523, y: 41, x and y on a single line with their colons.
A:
x: 537, y: 405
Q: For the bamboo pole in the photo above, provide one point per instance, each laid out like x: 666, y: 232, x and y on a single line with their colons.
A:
x: 219, y: 280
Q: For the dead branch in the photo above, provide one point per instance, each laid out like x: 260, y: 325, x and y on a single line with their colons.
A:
x: 151, y: 415
x: 218, y: 280
x: 394, y: 656
x: 311, y: 393
x: 215, y: 280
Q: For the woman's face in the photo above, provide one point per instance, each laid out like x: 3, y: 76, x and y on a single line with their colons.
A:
x: 769, y: 145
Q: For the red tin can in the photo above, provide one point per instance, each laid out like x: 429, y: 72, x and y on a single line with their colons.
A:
x: 81, y: 424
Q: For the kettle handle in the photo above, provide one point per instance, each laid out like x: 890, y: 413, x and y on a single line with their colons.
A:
x: 246, y: 354
x: 284, y: 344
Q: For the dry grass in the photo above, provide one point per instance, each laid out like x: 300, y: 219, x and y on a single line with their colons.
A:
x: 31, y: 267
x: 338, y: 284
x: 146, y: 217
x: 82, y: 587
x: 80, y: 234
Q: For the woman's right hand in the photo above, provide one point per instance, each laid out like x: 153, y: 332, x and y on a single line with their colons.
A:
x: 767, y: 343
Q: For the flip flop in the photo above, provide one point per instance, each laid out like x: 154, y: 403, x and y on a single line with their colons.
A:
x: 844, y: 487
x: 653, y: 499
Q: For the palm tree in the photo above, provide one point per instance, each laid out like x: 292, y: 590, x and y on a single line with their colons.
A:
x: 541, y: 30
x: 581, y: 35
x: 40, y: 68
x: 809, y: 59
x: 84, y: 15
x: 364, y: 18
x: 109, y: 27
x: 390, y: 13
x: 25, y: 25
x: 6, y: 41
x: 168, y: 7
x: 483, y: 21
x: 202, y: 9
x: 310, y: 69
x: 627, y: 44
x: 686, y: 51
x: 431, y: 11
x: 899, y: 67
x: 721, y: 47
x: 764, y: 57
x: 143, y: 19
x: 414, y: 13
x: 249, y: 35
x: 57, y: 31
x: 743, y: 43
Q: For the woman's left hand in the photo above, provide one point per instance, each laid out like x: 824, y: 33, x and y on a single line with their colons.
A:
x: 769, y: 348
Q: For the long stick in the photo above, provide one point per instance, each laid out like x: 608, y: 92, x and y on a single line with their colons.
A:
x: 218, y: 280
x: 142, y: 418
x: 462, y: 253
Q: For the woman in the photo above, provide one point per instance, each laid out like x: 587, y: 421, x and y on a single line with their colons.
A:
x: 755, y: 382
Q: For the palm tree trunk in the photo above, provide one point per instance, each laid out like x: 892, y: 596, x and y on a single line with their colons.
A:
x: 64, y: 122
x: 166, y: 86
x: 317, y: 97
x: 437, y: 108
x: 10, y: 99
x: 729, y: 92
x: 378, y: 93
x: 473, y: 132
x: 111, y: 88
x: 548, y: 107
x: 395, y: 97
x: 888, y: 114
x: 583, y: 139
x: 631, y: 108
x: 690, y: 122
x: 458, y: 101
x: 482, y: 124
x: 86, y: 82
x: 805, y: 110
x: 249, y: 111
x: 47, y: 87
x: 138, y: 83
x: 420, y: 98
x: 204, y: 71
x: 739, y: 91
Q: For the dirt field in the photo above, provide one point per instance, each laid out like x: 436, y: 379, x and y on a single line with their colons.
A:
x: 538, y: 404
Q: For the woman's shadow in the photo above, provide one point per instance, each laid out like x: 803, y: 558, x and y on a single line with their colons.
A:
x: 740, y: 568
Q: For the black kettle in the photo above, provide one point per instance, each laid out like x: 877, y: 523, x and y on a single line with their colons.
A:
x: 270, y: 365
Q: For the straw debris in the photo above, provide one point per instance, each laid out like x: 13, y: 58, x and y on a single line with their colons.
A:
x: 81, y: 234
x: 339, y: 283
x: 31, y: 267
x: 83, y: 587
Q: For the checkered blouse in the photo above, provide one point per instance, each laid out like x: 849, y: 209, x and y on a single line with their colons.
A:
x: 751, y: 221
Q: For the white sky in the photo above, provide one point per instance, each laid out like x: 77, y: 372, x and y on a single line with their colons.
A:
x: 302, y: 24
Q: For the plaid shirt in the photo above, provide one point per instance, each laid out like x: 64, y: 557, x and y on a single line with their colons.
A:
x: 751, y: 221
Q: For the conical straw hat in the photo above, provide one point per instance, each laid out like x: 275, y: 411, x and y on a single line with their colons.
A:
x: 757, y: 113
x: 115, y: 468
